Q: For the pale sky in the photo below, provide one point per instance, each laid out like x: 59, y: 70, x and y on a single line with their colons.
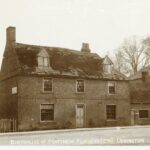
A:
x: 67, y: 23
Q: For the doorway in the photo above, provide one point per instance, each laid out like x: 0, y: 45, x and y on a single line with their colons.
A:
x: 80, y: 115
x: 134, y: 117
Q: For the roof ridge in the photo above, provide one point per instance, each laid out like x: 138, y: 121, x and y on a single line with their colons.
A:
x: 60, y: 48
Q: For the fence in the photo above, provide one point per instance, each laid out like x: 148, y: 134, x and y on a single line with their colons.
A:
x: 8, y: 125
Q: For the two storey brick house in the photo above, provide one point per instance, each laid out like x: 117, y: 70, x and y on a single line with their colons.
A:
x: 52, y: 88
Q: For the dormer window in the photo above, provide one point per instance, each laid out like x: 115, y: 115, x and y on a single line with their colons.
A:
x: 43, y: 59
x: 107, y: 65
x: 107, y: 69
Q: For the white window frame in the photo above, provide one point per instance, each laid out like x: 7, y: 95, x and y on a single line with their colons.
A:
x: 46, y: 78
x: 83, y: 84
x: 53, y: 113
x: 43, y: 61
x: 109, y: 84
x: 107, y: 68
x: 14, y: 90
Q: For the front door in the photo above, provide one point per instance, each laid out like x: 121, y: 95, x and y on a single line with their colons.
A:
x: 134, y: 117
x: 80, y: 115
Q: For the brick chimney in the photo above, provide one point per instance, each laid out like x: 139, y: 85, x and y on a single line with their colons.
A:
x: 144, y: 75
x: 85, y: 48
x: 11, y: 36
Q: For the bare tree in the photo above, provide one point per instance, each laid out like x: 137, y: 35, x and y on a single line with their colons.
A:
x: 146, y: 42
x: 119, y: 63
x: 130, y: 56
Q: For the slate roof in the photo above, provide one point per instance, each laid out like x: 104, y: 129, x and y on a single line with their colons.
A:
x: 63, y: 61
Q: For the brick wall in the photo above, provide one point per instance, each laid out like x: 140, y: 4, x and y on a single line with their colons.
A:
x: 140, y: 91
x: 65, y: 98
x: 140, y: 99
x: 8, y: 101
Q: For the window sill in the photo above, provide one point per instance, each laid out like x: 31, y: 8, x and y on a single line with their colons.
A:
x: 80, y: 93
x: 43, y: 67
x: 47, y: 121
x: 111, y: 120
x: 144, y: 118
x: 47, y: 92
x: 111, y: 93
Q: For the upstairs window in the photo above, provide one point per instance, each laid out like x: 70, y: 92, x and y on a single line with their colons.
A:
x: 107, y: 68
x: 14, y: 90
x: 47, y: 112
x: 111, y: 112
x: 43, y: 61
x: 111, y: 88
x: 143, y: 114
x: 80, y: 85
x: 107, y: 65
x: 48, y: 85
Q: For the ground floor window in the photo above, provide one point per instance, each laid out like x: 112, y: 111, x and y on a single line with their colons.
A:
x: 47, y: 112
x: 111, y: 112
x: 143, y: 114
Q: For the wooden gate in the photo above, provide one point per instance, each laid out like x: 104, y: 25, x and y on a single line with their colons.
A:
x: 8, y: 125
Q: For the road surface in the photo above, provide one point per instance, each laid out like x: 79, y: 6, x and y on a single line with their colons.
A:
x: 139, y: 135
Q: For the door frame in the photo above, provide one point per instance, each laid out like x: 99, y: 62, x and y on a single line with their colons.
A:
x: 135, y: 116
x: 132, y: 114
x: 84, y: 117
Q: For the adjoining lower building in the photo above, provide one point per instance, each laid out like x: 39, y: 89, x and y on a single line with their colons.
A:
x: 53, y: 88
x: 140, y: 97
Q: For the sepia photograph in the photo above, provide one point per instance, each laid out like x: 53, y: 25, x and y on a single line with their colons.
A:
x: 75, y: 73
